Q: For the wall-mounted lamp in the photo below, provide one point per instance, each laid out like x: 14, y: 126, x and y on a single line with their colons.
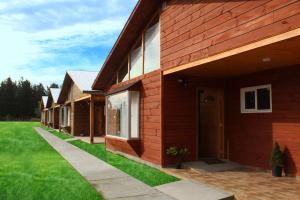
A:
x: 266, y: 59
x: 183, y: 82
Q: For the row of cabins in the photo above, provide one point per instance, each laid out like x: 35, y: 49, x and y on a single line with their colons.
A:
x: 221, y: 78
x: 75, y: 108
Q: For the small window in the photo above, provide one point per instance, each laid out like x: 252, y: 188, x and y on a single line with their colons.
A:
x: 250, y: 100
x: 152, y: 46
x: 114, y: 80
x: 136, y: 60
x: 123, y: 72
x: 122, y: 115
x: 256, y: 99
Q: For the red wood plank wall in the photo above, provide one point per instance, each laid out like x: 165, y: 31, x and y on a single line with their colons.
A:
x: 252, y: 135
x: 56, y: 118
x: 195, y: 29
x: 82, y: 119
x: 149, y: 147
x: 180, y: 113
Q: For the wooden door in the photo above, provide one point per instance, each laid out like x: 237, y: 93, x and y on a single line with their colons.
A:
x: 211, y: 120
x: 99, y: 119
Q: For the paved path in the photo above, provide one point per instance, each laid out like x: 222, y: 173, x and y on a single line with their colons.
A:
x: 114, y: 184
x: 191, y: 190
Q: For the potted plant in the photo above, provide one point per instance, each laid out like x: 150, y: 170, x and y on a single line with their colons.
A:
x: 179, y: 154
x: 277, y: 161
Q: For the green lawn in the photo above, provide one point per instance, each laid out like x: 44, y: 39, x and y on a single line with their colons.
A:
x: 148, y: 175
x: 32, y: 170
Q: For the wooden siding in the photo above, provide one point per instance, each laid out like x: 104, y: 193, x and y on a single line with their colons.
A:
x: 81, y: 119
x: 77, y: 126
x: 131, y: 147
x: 251, y: 136
x: 192, y: 30
x: 149, y: 147
x: 180, y: 113
x: 56, y: 118
x: 75, y: 93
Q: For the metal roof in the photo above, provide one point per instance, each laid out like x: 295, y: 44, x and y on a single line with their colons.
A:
x: 55, y: 94
x: 83, y: 79
x: 45, y: 99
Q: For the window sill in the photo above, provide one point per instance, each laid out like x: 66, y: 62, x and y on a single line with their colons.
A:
x: 65, y: 126
x: 255, y: 111
x: 121, y: 138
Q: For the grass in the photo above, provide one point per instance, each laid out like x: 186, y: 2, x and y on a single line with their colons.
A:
x: 58, y: 134
x: 149, y: 175
x: 30, y: 169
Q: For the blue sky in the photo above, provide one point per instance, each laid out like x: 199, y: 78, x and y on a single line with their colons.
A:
x: 40, y: 40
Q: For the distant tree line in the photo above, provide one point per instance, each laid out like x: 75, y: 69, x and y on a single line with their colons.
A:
x: 20, y: 100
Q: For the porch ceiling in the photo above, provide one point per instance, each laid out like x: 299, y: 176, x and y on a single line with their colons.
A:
x: 280, y: 54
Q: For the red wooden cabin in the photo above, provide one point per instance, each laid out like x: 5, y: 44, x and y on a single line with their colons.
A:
x: 218, y: 77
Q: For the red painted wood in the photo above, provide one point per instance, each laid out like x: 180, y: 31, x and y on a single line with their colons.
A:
x: 149, y: 145
x: 202, y: 29
x: 252, y: 135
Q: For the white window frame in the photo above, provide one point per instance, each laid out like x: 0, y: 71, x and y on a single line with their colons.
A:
x: 68, y: 116
x: 254, y: 89
x: 129, y: 137
x: 49, y: 116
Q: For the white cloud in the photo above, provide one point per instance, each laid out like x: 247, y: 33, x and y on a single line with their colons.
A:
x: 85, y: 34
x: 41, y: 39
x: 16, y: 48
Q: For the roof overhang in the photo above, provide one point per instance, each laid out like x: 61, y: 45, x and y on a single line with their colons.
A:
x: 274, y: 52
x: 95, y: 92
x: 64, y: 89
x: 137, y: 21
x: 49, y: 101
x: 123, y: 88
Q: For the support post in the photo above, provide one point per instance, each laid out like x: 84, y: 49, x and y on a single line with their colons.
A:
x: 60, y: 118
x: 92, y: 118
x: 53, y: 118
x: 72, y: 113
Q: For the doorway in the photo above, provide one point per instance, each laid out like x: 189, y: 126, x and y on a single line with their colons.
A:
x: 99, y: 119
x: 210, y: 104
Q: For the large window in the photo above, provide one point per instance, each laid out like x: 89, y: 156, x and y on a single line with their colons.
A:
x: 152, y: 47
x: 66, y: 116
x: 256, y: 99
x: 122, y: 115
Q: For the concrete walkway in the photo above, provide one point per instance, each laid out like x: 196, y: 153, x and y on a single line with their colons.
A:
x: 109, y: 181
x: 114, y: 184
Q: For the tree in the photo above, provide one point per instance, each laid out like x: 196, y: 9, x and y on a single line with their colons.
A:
x: 20, y: 101
x: 7, y: 99
x: 24, y: 99
x: 38, y: 92
x: 52, y: 85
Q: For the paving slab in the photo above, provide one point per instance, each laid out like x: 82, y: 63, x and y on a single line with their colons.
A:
x: 190, y: 190
x: 112, y: 183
